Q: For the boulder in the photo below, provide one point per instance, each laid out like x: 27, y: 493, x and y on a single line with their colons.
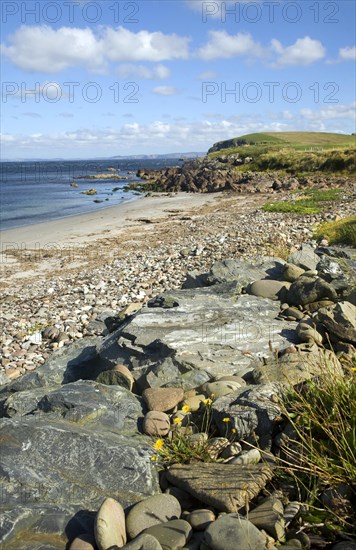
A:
x: 232, y: 531
x: 226, y: 487
x: 152, y: 511
x: 273, y: 290
x: 339, y: 321
x: 305, y: 257
x: 306, y: 290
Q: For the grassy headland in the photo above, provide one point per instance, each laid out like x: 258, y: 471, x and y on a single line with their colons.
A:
x: 296, y: 153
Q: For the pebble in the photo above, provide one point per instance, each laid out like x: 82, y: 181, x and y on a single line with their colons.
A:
x: 250, y: 457
x: 200, y: 519
x: 172, y: 534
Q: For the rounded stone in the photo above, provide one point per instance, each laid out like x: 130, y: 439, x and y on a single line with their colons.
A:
x: 172, y: 534
x: 156, y: 423
x: 162, y: 399
x: 194, y: 402
x: 291, y: 272
x: 232, y: 531
x: 83, y: 542
x: 267, y: 288
x: 109, y: 527
x: 200, y: 519
x: 143, y: 542
x: 152, y: 511
x: 220, y: 388
x: 125, y: 372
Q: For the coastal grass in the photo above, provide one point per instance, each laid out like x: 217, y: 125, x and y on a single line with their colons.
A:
x: 309, y: 202
x: 338, y: 232
x: 322, y: 412
x: 295, y: 153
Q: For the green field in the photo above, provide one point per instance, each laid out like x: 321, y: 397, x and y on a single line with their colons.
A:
x: 298, y: 153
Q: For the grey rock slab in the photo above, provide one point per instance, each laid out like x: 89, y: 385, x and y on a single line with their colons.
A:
x: 223, y: 486
x: 232, y: 532
x: 252, y: 409
x: 208, y: 331
x: 60, y: 462
x: 32, y: 525
x: 85, y: 402
x: 340, y: 321
x: 244, y: 272
x: 171, y: 373
x: 77, y: 361
x: 306, y: 258
x: 152, y: 511
x: 293, y: 368
x: 172, y: 535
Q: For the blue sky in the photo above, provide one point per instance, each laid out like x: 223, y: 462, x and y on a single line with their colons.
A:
x: 96, y: 79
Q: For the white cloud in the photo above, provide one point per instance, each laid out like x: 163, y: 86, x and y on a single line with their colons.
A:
x: 43, y: 49
x: 180, y: 135
x: 222, y: 45
x: 348, y: 53
x: 158, y: 72
x: 304, y: 51
x: 332, y: 112
x: 165, y: 90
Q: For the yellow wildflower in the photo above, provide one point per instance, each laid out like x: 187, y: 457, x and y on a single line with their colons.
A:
x: 159, y: 444
x: 226, y: 419
x: 154, y: 457
x: 177, y: 421
x: 212, y: 395
x: 186, y: 408
x: 233, y: 430
x: 207, y: 402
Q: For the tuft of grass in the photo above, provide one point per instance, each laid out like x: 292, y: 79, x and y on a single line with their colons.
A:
x: 338, y: 232
x: 299, y: 207
x: 310, y: 202
x: 322, y: 413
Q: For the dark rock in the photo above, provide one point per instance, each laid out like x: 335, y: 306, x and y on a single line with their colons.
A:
x: 269, y: 517
x: 114, y: 378
x: 306, y: 290
x: 340, y: 321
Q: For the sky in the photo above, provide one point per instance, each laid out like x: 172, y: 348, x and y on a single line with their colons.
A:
x: 84, y: 79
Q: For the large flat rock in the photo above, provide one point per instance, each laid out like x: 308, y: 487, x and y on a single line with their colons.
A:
x: 210, y: 329
x: 60, y: 463
x: 227, y: 487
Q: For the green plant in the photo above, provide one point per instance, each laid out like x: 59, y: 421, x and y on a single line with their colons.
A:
x: 322, y: 413
x: 189, y: 441
x: 338, y: 232
x: 310, y: 202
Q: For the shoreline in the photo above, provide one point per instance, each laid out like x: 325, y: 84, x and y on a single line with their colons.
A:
x: 105, y: 222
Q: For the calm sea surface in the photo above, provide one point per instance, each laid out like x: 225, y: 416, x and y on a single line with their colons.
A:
x: 32, y: 192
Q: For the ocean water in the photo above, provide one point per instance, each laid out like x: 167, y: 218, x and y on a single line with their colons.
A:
x: 39, y: 191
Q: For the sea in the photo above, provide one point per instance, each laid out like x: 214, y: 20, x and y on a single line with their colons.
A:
x: 39, y: 191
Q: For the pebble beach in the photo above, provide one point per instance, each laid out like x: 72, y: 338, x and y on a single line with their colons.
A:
x: 67, y: 276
